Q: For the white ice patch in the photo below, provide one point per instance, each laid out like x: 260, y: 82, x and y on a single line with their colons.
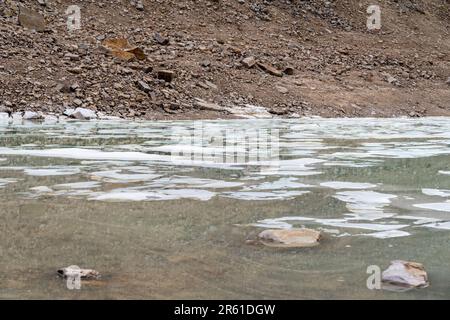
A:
x: 174, y: 194
x: 365, y: 226
x: 78, y: 185
x: 85, y: 154
x: 366, y: 205
x: 418, y: 220
x: 387, y: 234
x: 281, y: 184
x: 347, y: 185
x: 115, y: 176
x: 52, y: 172
x: 191, y: 182
x: 439, y: 206
x: 274, y: 195
x: 436, y: 192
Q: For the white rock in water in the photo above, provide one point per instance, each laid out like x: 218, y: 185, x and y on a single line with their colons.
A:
x: 292, y: 238
x: 83, y: 114
x: 406, y: 274
x: 31, y: 115
x: 68, y: 112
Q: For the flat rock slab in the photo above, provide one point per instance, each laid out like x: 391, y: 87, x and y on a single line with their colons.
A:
x: 31, y: 20
x: 405, y: 274
x: 270, y: 70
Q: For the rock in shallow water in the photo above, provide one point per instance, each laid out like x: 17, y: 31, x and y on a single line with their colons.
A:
x: 80, y: 114
x: 405, y: 274
x: 293, y: 238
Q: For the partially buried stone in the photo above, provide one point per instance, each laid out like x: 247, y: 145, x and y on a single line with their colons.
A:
x: 166, y: 75
x: 142, y: 85
x: 293, y: 238
x: 270, y: 70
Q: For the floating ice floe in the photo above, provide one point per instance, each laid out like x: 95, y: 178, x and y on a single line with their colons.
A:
x: 78, y: 185
x: 439, y: 206
x: 191, y: 182
x: 274, y: 195
x: 383, y: 231
x: 387, y: 234
x: 115, y: 176
x: 366, y: 205
x: 165, y: 194
x: 347, y: 185
x: 436, y: 192
x: 418, y: 220
x: 283, y: 183
x: 52, y: 172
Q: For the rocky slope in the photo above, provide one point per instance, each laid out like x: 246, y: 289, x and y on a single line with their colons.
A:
x: 217, y: 59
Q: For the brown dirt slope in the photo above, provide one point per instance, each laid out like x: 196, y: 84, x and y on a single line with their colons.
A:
x: 339, y: 67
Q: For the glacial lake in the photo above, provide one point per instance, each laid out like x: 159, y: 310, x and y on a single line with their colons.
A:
x: 163, y: 210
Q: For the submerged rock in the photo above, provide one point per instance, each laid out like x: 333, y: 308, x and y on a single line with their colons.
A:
x: 405, y: 274
x: 293, y: 238
x: 74, y: 271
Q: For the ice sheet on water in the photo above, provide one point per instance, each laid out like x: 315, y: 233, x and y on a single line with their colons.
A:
x: 366, y: 205
x: 439, y: 206
x: 383, y: 231
x: 45, y: 172
x: 280, y: 184
x: 162, y: 194
x: 436, y: 192
x: 78, y: 185
x: 191, y: 182
x: 256, y: 196
x: 387, y: 234
x: 347, y: 185
x: 116, y: 176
